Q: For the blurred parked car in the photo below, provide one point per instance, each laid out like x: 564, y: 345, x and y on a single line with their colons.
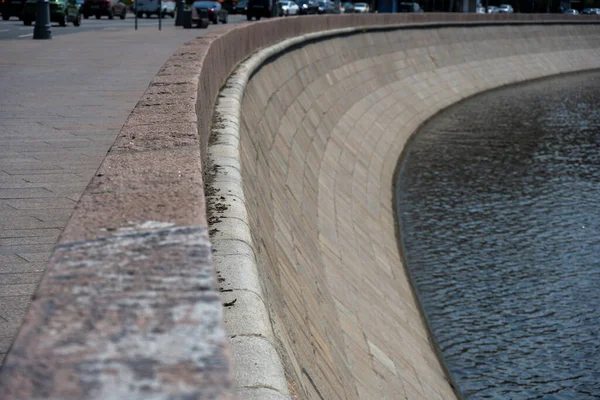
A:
x: 11, y: 8
x: 492, y: 10
x: 258, y: 9
x: 228, y: 5
x: 347, y: 8
x: 361, y: 8
x: 326, y: 7
x: 505, y: 9
x: 61, y: 11
x: 409, y: 7
x: 241, y: 7
x: 213, y: 10
x: 589, y: 11
x: 288, y: 8
x: 571, y: 11
x: 146, y: 7
x: 480, y: 10
x: 168, y: 8
x: 308, y: 7
x: 109, y: 8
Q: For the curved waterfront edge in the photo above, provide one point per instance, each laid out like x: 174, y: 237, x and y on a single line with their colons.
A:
x: 476, y: 133
x: 262, y: 151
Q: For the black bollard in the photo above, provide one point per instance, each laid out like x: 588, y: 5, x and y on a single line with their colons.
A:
x: 42, y: 20
x: 179, y: 13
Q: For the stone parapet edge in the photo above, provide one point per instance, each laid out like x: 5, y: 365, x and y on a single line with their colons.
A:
x: 129, y: 306
x: 254, y: 368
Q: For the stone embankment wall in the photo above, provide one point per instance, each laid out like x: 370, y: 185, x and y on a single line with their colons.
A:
x: 322, y: 126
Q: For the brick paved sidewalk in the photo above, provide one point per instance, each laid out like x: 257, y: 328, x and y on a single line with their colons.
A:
x: 62, y: 103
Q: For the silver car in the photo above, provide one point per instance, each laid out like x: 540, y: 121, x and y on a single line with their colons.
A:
x: 168, y: 8
x: 288, y: 8
x: 361, y: 8
x: 505, y: 9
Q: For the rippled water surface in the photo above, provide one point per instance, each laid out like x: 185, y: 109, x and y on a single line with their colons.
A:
x: 499, y: 208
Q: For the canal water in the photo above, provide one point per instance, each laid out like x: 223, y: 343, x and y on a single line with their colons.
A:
x: 499, y: 210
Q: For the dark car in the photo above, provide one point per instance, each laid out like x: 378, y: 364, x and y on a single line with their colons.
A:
x: 308, y: 7
x: 259, y: 8
x: 228, y: 5
x: 11, y: 8
x: 213, y: 10
x: 347, y: 8
x: 110, y: 8
x: 409, y: 7
x: 326, y: 7
x: 61, y: 11
x: 241, y: 7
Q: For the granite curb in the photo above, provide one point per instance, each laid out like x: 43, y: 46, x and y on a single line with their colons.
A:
x: 131, y: 315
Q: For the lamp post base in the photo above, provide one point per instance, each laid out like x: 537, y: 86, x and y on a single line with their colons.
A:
x: 42, y: 20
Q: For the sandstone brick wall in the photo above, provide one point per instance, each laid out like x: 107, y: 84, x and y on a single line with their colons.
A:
x: 322, y: 128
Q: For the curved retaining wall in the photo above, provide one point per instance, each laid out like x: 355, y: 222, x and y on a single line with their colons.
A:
x: 305, y: 195
x: 129, y: 306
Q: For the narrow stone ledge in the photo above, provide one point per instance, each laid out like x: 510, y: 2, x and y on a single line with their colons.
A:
x: 231, y: 228
x: 236, y: 318
x: 261, y: 394
x: 227, y: 173
x: 228, y: 207
x: 226, y: 161
x: 232, y: 248
x: 226, y: 189
x: 239, y: 273
x: 224, y: 149
x: 257, y: 364
x: 133, y: 315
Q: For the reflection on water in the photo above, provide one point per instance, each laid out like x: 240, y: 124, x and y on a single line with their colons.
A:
x: 499, y: 208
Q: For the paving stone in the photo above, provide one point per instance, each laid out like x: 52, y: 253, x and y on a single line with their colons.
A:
x: 16, y: 290
x: 13, y: 308
x: 56, y: 215
x: 38, y: 204
x: 19, y: 278
x: 35, y: 257
x: 21, y: 266
x: 5, y: 242
x: 51, y: 178
x: 26, y: 249
x: 27, y: 233
x: 25, y: 222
